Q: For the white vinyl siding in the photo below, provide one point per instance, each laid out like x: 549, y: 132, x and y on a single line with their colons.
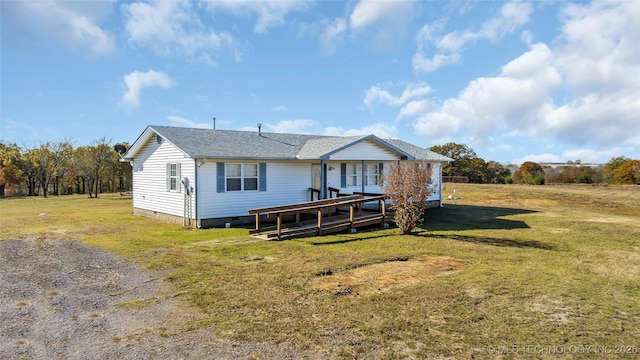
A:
x: 288, y: 182
x: 365, y: 150
x: 152, y: 175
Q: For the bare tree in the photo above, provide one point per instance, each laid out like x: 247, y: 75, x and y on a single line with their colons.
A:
x: 93, y: 163
x: 50, y: 161
x: 408, y: 186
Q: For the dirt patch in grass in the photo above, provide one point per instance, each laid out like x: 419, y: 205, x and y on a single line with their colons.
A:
x: 376, y: 278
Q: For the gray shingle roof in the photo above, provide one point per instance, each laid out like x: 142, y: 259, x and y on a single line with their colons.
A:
x: 227, y: 144
x: 418, y: 152
x: 234, y: 144
x: 316, y: 148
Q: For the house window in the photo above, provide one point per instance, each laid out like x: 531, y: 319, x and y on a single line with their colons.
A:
x: 372, y: 174
x: 242, y: 177
x: 352, y: 174
x: 173, y: 177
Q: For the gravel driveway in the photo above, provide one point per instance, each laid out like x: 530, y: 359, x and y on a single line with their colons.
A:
x: 58, y: 300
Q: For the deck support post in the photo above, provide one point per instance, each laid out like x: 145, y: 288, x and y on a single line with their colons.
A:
x: 351, y: 211
x: 319, y: 222
x: 279, y: 226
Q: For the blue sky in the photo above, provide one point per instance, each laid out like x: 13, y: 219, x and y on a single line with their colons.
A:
x: 544, y: 81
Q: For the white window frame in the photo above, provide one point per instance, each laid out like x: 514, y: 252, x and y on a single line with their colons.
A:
x: 245, y: 174
x: 174, y: 181
x: 353, y: 176
x: 372, y: 177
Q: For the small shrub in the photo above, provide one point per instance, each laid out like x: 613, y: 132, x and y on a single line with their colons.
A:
x: 584, y: 179
x: 508, y: 180
x: 407, y: 185
x: 538, y: 180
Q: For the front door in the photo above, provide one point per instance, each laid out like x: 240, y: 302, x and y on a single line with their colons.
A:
x: 315, y: 176
x: 316, y: 181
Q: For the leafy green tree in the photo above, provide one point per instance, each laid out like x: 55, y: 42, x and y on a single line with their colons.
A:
x: 477, y: 171
x: 528, y: 172
x: 496, y: 173
x: 574, y: 174
x: 10, y: 172
x: 407, y: 186
x: 610, y: 168
x: 462, y: 158
x: 122, y: 170
x: 96, y: 164
x: 628, y: 173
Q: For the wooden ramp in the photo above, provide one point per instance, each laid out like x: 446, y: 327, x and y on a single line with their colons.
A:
x: 319, y: 217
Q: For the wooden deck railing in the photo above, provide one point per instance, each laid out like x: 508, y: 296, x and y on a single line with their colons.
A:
x: 332, y: 221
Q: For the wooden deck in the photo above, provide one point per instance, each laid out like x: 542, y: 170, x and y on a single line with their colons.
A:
x: 345, y: 213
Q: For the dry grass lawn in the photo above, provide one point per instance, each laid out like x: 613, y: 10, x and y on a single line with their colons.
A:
x: 505, y: 267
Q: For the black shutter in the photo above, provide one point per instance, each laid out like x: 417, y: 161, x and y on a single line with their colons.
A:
x: 343, y: 175
x: 220, y: 177
x: 262, y: 174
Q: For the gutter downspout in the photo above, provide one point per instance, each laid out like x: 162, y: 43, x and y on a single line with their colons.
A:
x: 363, y: 175
x: 197, y: 194
x: 440, y: 181
x: 323, y: 177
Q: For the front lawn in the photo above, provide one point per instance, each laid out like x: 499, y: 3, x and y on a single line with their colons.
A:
x: 520, y: 269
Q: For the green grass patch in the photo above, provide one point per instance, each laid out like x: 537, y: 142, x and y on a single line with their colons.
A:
x: 544, y: 265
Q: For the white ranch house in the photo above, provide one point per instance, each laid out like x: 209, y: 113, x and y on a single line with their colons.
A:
x: 205, y: 177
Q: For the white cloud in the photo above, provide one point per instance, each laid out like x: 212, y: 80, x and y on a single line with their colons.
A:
x: 448, y: 47
x: 432, y: 64
x: 585, y: 90
x: 376, y: 94
x: 180, y: 121
x: 296, y: 126
x: 74, y: 24
x: 170, y: 27
x: 519, y: 97
x: 381, y: 130
x: 367, y: 12
x: 389, y: 20
x: 438, y: 126
x: 136, y: 81
x: 414, y: 107
x: 540, y: 158
x: 332, y: 35
x: 279, y: 108
x: 586, y: 156
x: 270, y: 13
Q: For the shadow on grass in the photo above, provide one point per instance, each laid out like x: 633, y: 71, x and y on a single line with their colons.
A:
x: 350, y: 238
x: 492, y: 241
x: 469, y: 217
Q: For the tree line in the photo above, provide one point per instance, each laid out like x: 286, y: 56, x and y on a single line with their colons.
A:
x: 618, y: 170
x: 59, y: 168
